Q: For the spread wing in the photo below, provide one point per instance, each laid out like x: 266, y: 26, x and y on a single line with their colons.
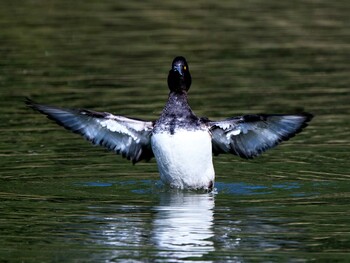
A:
x: 125, y: 136
x: 250, y: 135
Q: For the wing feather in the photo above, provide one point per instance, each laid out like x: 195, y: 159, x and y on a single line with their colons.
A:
x: 126, y: 136
x: 250, y: 135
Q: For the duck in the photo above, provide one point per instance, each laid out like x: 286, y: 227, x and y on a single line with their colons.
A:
x: 182, y: 143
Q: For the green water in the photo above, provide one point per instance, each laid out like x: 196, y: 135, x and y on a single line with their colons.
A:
x: 63, y: 200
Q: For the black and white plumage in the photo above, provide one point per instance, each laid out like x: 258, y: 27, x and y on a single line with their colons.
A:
x: 181, y: 142
x: 250, y: 135
x: 125, y: 136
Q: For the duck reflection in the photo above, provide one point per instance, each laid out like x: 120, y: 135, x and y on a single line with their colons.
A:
x: 179, y: 226
x: 183, y: 224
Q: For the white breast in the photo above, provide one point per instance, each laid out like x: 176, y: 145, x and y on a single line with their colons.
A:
x: 184, y: 158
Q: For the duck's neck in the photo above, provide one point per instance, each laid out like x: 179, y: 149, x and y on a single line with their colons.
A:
x: 178, y: 104
x: 176, y: 114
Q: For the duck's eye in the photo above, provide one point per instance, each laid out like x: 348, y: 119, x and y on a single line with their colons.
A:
x: 185, y: 68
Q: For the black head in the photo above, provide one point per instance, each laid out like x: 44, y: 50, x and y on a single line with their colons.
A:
x: 179, y: 78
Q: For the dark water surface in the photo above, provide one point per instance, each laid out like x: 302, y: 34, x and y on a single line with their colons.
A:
x: 62, y: 200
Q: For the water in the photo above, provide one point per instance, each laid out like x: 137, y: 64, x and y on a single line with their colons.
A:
x: 63, y: 200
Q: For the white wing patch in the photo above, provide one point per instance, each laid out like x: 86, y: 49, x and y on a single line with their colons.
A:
x: 224, y: 125
x: 232, y: 133
x: 114, y: 126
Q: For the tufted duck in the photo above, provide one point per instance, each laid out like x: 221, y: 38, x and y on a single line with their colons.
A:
x: 181, y: 142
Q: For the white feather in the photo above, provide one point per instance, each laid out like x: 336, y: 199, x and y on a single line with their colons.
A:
x: 114, y: 126
x: 233, y: 132
x: 184, y: 158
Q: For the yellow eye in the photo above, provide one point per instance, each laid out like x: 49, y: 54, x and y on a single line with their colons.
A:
x: 185, y: 68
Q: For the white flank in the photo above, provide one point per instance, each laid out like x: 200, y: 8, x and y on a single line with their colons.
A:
x: 184, y: 158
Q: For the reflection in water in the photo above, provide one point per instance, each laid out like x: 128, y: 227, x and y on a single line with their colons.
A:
x: 183, y: 225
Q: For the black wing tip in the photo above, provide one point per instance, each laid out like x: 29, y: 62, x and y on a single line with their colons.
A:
x: 30, y: 103
x: 35, y: 106
x: 45, y: 110
x: 308, y: 116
